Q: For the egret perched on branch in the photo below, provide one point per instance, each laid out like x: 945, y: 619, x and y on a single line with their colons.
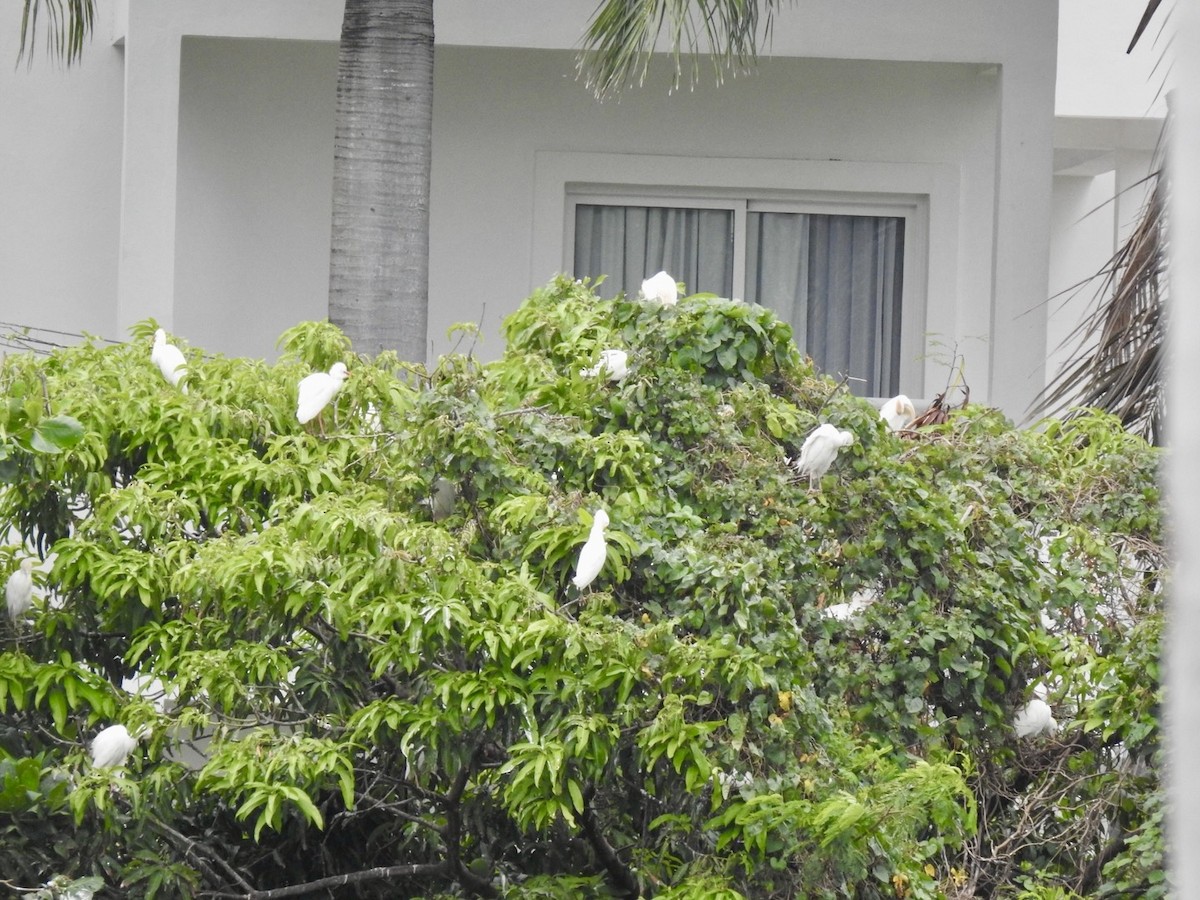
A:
x: 112, y: 746
x: 898, y: 412
x: 661, y: 287
x: 591, y: 557
x: 169, y: 360
x: 1035, y: 717
x: 18, y: 591
x: 316, y: 390
x: 819, y: 451
x: 613, y: 363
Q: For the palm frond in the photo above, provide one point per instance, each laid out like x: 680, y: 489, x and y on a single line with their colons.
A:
x: 1147, y: 15
x: 1118, y: 362
x: 70, y: 23
x: 622, y: 34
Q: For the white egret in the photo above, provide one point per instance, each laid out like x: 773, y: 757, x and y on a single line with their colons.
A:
x: 849, y: 610
x: 661, y: 287
x: 169, y: 360
x: 591, y: 557
x: 1035, y: 718
x: 898, y: 412
x: 613, y: 363
x: 317, y: 389
x: 18, y: 591
x: 819, y: 451
x: 112, y: 746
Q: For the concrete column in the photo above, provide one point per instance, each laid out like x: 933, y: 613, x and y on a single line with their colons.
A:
x: 153, y: 31
x: 146, y: 265
x: 1022, y: 227
x: 1182, y: 494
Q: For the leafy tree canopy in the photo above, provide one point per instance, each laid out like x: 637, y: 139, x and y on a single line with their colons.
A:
x: 362, y: 671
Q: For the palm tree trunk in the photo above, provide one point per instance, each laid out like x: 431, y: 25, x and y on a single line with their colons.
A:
x: 379, y: 262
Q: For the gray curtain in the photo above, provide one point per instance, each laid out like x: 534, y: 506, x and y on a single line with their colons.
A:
x: 838, y: 280
x: 630, y: 243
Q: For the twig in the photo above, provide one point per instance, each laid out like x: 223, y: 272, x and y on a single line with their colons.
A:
x: 523, y: 410
x: 334, y: 881
x: 189, y: 848
x: 845, y: 379
x: 478, y: 331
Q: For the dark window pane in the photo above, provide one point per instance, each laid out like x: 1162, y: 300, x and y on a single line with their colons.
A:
x: 839, y: 281
x: 630, y: 243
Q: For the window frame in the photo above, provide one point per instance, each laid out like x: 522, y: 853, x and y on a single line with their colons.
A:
x: 930, y: 192
x: 742, y: 203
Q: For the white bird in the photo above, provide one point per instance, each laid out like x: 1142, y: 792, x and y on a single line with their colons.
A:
x: 819, y: 451
x: 898, y: 412
x: 591, y: 557
x: 317, y: 389
x: 661, y: 287
x: 112, y: 746
x: 1035, y: 717
x: 849, y: 610
x: 614, y: 363
x: 18, y: 591
x: 169, y: 360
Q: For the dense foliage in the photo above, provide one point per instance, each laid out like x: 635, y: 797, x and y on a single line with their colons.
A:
x: 352, y: 689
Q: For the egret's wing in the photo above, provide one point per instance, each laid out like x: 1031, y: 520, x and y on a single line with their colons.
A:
x: 315, y: 391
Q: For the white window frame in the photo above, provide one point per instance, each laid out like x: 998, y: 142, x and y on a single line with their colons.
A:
x: 924, y: 195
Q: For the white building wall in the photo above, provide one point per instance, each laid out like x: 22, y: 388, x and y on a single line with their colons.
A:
x: 252, y: 208
x: 988, y: 119
x: 495, y: 110
x: 60, y: 187
x: 254, y: 199
x: 1096, y: 77
x: 1082, y: 242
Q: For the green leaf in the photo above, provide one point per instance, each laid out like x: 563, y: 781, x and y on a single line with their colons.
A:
x: 56, y: 434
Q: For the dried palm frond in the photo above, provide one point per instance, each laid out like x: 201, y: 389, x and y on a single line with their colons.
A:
x: 939, y: 410
x: 1117, y: 365
x: 1118, y: 362
x: 937, y: 414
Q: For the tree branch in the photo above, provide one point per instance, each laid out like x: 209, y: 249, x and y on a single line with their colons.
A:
x: 453, y: 832
x: 620, y: 874
x: 191, y: 849
x: 321, y: 884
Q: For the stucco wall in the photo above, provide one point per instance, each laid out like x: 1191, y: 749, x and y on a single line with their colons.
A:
x: 1082, y: 242
x: 234, y: 221
x: 60, y: 187
x: 252, y: 222
x: 1096, y: 77
x: 255, y: 177
x: 495, y: 109
x: 254, y: 170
